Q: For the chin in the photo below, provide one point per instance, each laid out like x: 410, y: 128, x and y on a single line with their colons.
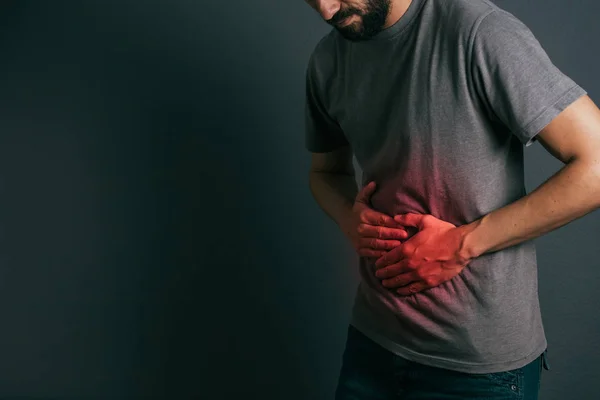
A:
x: 352, y: 32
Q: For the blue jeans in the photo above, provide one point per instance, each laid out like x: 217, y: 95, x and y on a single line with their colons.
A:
x: 370, y: 372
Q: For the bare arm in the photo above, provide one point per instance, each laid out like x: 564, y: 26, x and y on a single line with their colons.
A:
x: 333, y: 184
x: 441, y: 250
x: 572, y: 137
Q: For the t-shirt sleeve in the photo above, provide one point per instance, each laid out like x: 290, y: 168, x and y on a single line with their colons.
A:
x: 322, y: 132
x: 516, y: 79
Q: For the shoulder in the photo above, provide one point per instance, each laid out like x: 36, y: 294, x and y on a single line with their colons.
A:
x: 464, y: 18
x: 465, y: 14
x: 484, y: 18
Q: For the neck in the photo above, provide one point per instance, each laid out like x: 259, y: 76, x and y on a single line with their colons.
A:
x: 397, y: 10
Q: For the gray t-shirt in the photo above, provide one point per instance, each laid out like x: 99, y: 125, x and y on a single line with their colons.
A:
x: 438, y: 109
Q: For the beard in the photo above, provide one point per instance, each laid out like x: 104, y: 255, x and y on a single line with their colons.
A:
x: 371, y: 22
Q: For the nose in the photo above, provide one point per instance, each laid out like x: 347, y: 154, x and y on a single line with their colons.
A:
x: 328, y: 8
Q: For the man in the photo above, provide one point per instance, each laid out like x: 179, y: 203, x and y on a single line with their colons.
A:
x: 436, y: 99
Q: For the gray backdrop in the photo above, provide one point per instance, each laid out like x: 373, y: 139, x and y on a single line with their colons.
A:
x: 157, y: 234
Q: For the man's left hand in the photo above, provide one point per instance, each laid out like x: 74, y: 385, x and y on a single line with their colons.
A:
x: 429, y: 258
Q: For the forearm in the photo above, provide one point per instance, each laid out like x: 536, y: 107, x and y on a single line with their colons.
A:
x: 335, y: 194
x: 571, y: 193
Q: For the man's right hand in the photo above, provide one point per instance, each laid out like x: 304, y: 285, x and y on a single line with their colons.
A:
x: 372, y: 233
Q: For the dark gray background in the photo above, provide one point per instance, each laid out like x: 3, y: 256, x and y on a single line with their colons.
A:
x: 157, y: 234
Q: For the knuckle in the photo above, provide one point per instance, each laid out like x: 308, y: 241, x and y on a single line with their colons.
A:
x: 361, y: 229
x: 430, y: 280
x: 407, y: 250
x: 421, y: 275
x: 362, y: 213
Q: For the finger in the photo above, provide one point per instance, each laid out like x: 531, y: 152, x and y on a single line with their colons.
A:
x: 381, y: 232
x: 372, y: 217
x: 364, y: 196
x: 401, y: 280
x: 393, y: 270
x: 410, y: 219
x: 370, y: 253
x: 378, y: 244
x: 413, y: 288
x: 404, y: 266
x: 391, y: 257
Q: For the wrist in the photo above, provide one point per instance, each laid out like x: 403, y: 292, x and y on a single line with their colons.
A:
x: 469, y: 247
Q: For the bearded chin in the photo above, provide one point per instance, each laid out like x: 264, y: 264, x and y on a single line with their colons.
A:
x: 372, y: 22
x: 355, y: 34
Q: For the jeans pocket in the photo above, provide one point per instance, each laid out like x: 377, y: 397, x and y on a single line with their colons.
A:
x: 504, y: 376
x: 512, y: 379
